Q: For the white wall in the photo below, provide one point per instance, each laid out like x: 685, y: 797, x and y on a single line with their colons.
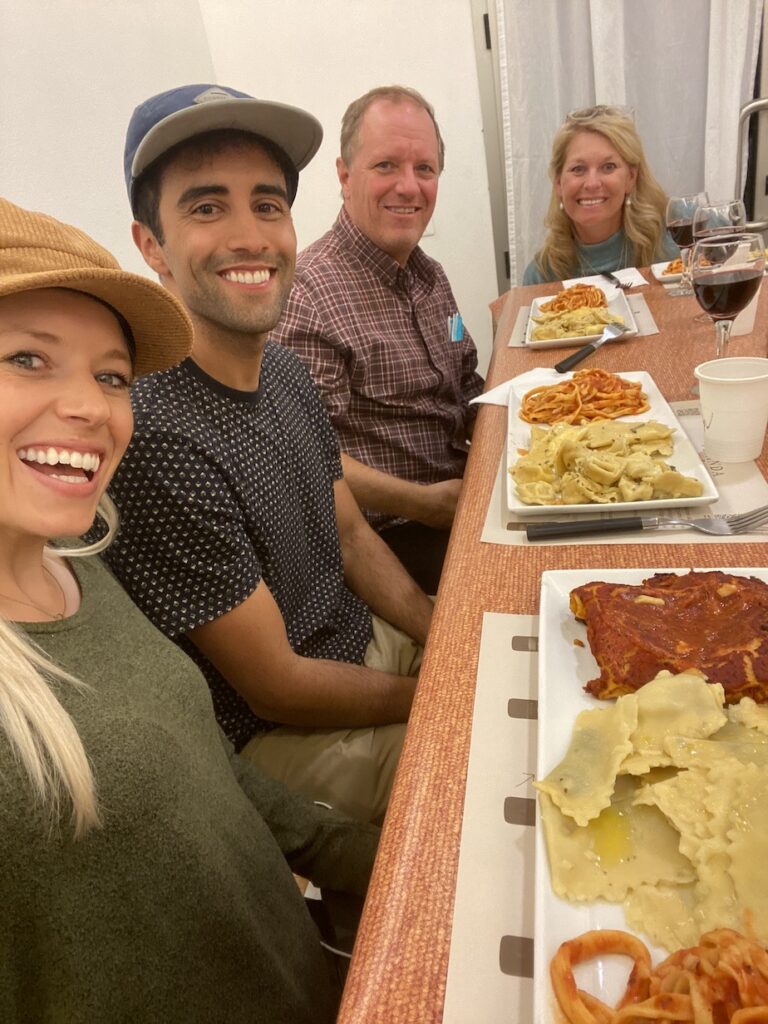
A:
x: 71, y: 72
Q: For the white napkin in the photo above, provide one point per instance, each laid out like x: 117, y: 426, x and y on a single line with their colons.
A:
x: 629, y: 275
x: 496, y: 396
x: 525, y: 381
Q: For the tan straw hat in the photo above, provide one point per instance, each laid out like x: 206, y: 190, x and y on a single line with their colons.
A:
x: 37, y: 251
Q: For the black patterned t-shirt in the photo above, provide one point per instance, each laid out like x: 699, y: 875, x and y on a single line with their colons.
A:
x: 220, y: 489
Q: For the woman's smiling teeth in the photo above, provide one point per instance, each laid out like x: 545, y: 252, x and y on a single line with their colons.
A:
x: 88, y: 462
x: 590, y: 202
x: 246, y: 276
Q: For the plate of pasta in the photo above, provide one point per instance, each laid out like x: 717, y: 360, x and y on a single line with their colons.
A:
x: 593, y: 442
x: 576, y: 316
x: 637, y: 875
x: 668, y: 272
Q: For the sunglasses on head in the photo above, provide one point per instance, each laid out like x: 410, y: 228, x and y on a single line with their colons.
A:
x: 601, y: 110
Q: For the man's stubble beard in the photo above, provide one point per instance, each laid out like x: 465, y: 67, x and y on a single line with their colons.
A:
x: 210, y: 305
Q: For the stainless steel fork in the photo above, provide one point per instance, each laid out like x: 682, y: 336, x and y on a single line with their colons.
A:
x: 722, y: 526
x: 624, y: 285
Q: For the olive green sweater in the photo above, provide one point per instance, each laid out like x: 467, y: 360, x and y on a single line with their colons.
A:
x: 182, y: 908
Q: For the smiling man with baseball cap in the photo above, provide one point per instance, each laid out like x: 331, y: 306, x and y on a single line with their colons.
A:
x: 240, y: 538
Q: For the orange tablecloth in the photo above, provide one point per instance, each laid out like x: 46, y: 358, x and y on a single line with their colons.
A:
x: 398, y: 971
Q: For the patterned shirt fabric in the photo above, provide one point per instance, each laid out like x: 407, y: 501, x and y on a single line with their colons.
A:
x: 220, y: 489
x: 374, y: 336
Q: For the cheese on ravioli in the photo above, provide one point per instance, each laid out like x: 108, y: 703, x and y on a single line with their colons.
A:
x: 661, y: 803
x: 665, y: 913
x: 702, y: 836
x: 732, y: 742
x: 748, y: 847
x: 749, y: 714
x: 624, y: 846
x: 681, y: 705
x: 582, y: 784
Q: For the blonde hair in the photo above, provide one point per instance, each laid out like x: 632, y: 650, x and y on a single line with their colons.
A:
x: 643, y: 221
x: 41, y: 733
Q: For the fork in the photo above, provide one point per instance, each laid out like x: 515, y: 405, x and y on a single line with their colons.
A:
x: 721, y: 526
x: 610, y: 332
x: 624, y: 285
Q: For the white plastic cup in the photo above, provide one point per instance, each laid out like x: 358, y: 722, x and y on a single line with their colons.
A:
x: 733, y: 393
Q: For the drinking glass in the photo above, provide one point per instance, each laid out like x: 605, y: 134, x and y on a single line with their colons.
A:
x: 727, y: 271
x: 718, y: 217
x: 723, y: 216
x: 679, y: 219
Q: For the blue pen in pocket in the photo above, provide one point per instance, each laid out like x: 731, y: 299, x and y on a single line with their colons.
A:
x: 455, y: 327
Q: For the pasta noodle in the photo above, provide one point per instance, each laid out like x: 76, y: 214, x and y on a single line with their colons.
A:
x: 723, y: 980
x: 675, y: 266
x: 584, y: 322
x: 574, y: 298
x: 602, y: 461
x: 592, y: 394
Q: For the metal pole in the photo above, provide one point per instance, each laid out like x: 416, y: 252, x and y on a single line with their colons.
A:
x: 746, y: 112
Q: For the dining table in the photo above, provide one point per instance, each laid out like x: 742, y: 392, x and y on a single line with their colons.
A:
x: 399, y: 967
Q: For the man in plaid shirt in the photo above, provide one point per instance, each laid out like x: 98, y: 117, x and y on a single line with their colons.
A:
x: 373, y: 317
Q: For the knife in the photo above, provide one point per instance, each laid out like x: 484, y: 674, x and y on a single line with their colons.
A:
x: 610, y: 331
x: 539, y: 531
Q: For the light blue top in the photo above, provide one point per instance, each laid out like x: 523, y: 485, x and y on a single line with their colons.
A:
x: 614, y: 253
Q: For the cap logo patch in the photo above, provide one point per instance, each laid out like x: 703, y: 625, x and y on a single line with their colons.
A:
x: 215, y: 93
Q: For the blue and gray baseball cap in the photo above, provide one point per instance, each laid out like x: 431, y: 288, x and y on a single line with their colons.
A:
x: 163, y: 121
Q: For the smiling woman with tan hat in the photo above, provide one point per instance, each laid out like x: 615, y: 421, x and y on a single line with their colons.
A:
x: 144, y: 870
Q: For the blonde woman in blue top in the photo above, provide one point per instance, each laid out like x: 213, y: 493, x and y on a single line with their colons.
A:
x: 606, y: 211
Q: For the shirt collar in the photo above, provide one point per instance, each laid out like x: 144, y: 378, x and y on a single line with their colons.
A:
x: 418, y: 267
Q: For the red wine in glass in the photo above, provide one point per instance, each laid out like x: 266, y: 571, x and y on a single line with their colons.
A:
x: 727, y: 273
x: 678, y: 218
x: 724, y: 293
x: 682, y: 233
x: 703, y: 230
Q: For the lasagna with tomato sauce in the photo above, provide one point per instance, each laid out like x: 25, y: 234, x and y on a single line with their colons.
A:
x: 708, y: 622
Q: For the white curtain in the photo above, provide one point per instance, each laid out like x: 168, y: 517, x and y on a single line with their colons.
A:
x: 685, y: 67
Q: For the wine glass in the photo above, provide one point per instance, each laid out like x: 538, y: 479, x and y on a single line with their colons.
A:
x: 723, y: 216
x: 727, y: 271
x: 718, y: 217
x: 679, y: 219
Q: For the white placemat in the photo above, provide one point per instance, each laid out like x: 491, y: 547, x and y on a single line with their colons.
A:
x: 741, y: 487
x: 490, y: 963
x: 642, y: 314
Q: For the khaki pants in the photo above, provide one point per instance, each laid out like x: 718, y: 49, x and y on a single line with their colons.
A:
x: 350, y: 769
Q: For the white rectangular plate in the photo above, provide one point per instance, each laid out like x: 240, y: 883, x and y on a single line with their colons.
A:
x: 684, y: 458
x: 657, y: 269
x: 617, y: 304
x: 564, y: 669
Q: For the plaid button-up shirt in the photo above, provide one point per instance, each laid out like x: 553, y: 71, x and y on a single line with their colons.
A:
x: 375, y: 338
